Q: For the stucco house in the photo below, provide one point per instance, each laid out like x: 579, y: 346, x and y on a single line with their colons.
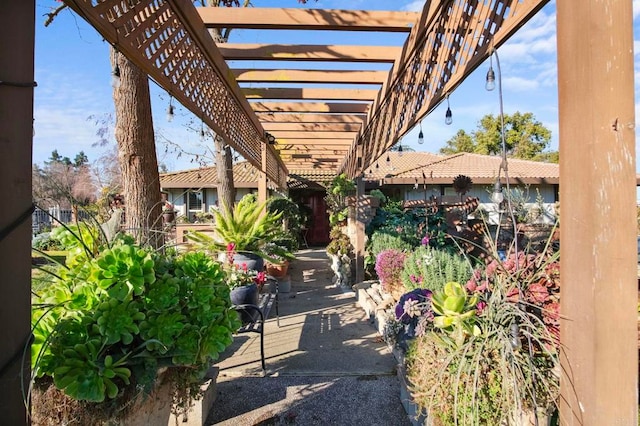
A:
x: 414, y: 177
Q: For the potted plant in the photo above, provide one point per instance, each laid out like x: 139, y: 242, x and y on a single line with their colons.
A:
x: 168, y: 213
x: 487, y: 352
x: 116, y: 316
x: 244, y: 284
x: 249, y: 228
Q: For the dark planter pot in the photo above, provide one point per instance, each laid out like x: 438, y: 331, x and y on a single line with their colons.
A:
x: 245, y: 295
x: 168, y: 217
x: 253, y: 261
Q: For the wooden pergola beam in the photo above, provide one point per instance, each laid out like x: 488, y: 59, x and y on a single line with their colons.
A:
x: 450, y: 40
x: 312, y: 127
x: 315, y: 153
x: 308, y: 52
x: 310, y: 93
x: 271, y: 117
x: 244, y: 75
x: 282, y: 135
x: 307, y: 19
x: 315, y: 142
x: 313, y: 107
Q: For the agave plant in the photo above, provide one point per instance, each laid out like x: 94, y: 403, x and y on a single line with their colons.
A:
x: 248, y: 227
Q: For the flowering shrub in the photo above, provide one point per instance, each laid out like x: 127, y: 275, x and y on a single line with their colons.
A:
x: 431, y: 268
x: 240, y: 275
x: 491, y: 347
x: 533, y: 282
x: 389, y: 264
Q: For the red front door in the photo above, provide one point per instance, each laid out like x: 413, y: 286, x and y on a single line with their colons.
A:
x: 318, y: 233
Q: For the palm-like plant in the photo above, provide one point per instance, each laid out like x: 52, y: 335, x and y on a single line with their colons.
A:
x: 248, y: 227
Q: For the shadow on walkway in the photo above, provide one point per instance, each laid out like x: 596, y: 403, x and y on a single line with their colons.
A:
x: 325, y: 363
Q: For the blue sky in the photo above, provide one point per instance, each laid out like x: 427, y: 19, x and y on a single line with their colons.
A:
x: 73, y: 75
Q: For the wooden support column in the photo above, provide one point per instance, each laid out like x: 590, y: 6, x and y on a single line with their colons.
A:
x: 598, y: 213
x: 262, y: 177
x: 360, y: 226
x: 17, y: 32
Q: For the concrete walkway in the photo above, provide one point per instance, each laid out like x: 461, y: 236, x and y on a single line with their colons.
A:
x: 326, y: 364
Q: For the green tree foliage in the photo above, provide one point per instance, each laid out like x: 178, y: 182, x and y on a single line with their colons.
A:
x: 525, y: 138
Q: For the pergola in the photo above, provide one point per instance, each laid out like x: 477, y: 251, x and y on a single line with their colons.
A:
x: 346, y: 128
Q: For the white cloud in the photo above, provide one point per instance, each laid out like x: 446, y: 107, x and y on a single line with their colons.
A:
x: 415, y: 6
x: 636, y: 8
x: 520, y: 84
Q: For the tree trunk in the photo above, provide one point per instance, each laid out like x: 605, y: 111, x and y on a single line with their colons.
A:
x: 137, y: 152
x: 224, y: 167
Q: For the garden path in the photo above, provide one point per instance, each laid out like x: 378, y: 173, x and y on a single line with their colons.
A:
x: 325, y: 364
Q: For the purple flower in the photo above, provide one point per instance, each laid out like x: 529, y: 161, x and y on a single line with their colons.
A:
x: 425, y: 240
x: 419, y: 297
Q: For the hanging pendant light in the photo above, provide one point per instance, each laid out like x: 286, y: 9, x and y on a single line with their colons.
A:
x: 115, y: 77
x: 170, y: 111
x: 490, y: 83
x: 497, y: 196
x: 448, y: 116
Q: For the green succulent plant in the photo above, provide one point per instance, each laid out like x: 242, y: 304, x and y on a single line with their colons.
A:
x: 108, y: 322
x: 455, y: 312
x: 247, y: 226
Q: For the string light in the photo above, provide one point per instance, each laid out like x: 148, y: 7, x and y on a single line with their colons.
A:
x: 115, y: 76
x: 202, y: 133
x: 448, y: 116
x: 497, y: 196
x: 490, y: 84
x: 388, y: 161
x: 170, y: 110
x: 400, y: 150
x: 421, y: 135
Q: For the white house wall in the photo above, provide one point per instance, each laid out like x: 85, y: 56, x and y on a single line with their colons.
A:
x: 177, y: 197
x: 483, y: 193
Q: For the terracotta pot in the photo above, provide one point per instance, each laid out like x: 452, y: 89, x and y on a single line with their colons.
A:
x: 278, y: 271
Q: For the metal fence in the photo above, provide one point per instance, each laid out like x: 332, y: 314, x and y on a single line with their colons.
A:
x: 43, y: 219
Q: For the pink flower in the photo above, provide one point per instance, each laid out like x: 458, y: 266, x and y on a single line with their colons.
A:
x: 260, y: 278
x: 471, y: 286
x: 484, y: 286
x: 425, y: 240
x: 492, y: 267
x: 481, y: 306
x: 513, y: 295
x: 537, y: 293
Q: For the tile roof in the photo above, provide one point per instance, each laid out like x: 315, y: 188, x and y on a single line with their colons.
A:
x: 244, y: 176
x: 403, y: 169
x: 480, y: 168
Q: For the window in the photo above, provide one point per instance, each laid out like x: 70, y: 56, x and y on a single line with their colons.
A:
x: 195, y: 200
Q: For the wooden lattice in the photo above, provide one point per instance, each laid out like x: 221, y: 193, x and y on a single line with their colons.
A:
x: 166, y: 38
x: 451, y: 40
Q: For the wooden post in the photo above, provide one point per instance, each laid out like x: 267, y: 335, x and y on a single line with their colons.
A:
x: 262, y: 177
x: 360, y: 232
x: 598, y: 213
x: 17, y: 32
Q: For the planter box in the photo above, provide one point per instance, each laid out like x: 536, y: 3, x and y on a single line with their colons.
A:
x: 156, y: 409
x: 152, y: 410
x: 411, y: 408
